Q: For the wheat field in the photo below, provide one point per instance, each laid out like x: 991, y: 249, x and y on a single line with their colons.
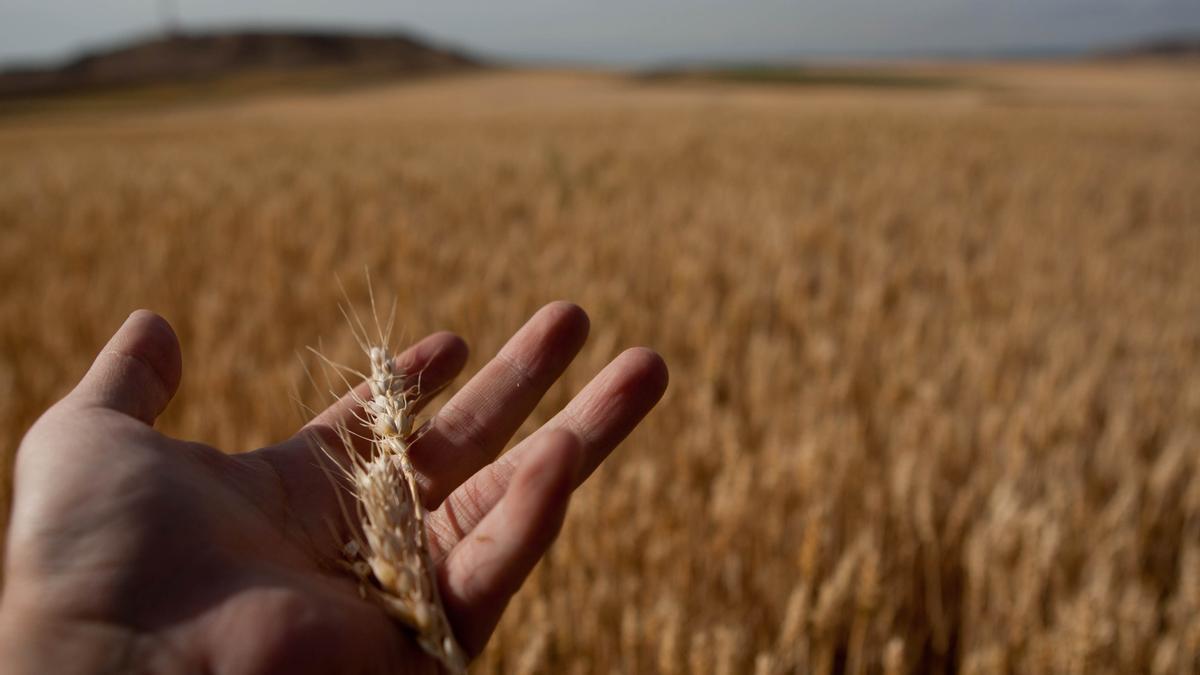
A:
x: 935, y: 353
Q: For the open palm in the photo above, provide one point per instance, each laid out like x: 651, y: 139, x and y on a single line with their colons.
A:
x: 129, y: 551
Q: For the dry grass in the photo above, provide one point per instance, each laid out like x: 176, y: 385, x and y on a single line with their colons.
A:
x: 935, y: 355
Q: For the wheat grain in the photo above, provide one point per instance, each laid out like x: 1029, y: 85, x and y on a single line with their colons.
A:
x: 391, y: 558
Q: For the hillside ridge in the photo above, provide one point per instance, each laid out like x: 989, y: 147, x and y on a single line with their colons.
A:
x: 202, y: 56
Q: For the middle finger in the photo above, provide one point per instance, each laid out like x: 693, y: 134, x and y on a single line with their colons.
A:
x: 474, y: 425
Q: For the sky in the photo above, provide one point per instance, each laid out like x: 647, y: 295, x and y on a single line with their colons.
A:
x: 632, y: 32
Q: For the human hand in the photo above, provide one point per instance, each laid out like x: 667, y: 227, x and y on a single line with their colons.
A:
x: 129, y: 551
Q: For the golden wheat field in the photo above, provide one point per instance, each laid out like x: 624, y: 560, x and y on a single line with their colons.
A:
x: 935, y: 352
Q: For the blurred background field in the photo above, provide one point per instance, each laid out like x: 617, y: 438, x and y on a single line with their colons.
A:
x: 934, y: 331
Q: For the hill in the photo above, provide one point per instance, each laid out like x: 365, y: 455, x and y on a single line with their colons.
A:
x: 1165, y: 47
x: 202, y: 57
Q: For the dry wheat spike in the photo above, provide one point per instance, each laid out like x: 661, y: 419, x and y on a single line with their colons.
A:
x: 391, y: 557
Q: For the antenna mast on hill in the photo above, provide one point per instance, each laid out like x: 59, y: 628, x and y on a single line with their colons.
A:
x: 169, y: 15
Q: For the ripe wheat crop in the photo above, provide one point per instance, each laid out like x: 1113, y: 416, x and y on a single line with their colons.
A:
x: 391, y: 556
x: 935, y: 353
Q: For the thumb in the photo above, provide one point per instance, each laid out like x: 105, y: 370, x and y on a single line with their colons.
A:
x: 137, y: 372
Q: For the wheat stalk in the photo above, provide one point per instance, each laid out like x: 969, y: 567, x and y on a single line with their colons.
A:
x: 391, y: 557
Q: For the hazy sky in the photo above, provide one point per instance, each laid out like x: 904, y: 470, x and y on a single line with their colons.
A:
x: 633, y: 31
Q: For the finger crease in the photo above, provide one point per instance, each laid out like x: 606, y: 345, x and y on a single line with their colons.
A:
x: 144, y: 364
x: 464, y: 426
x: 522, y: 373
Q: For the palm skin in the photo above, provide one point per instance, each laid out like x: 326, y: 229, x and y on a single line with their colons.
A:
x: 129, y: 551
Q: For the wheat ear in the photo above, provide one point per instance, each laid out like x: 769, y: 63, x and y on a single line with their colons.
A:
x: 391, y: 558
